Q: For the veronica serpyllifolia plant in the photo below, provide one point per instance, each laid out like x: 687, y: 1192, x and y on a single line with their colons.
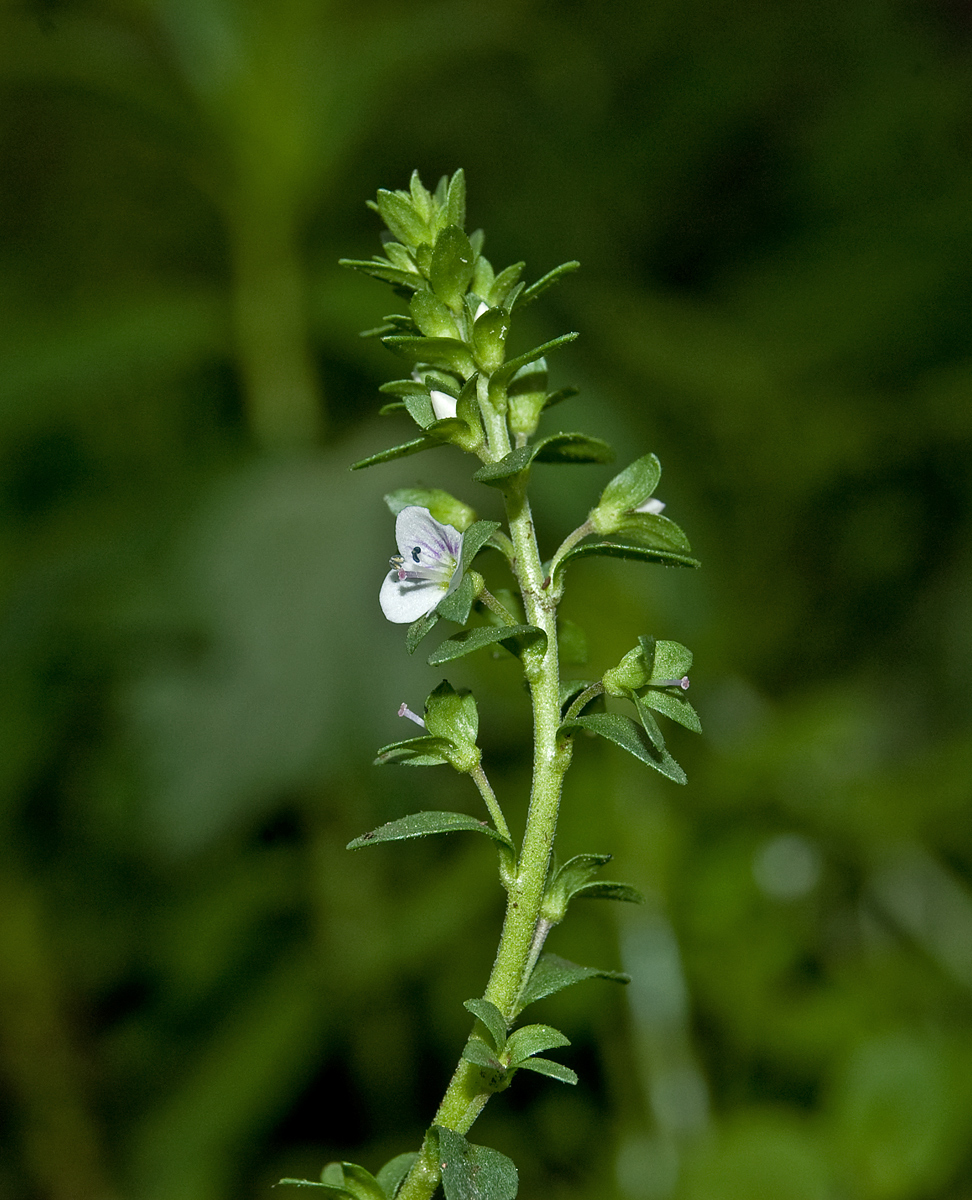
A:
x: 461, y: 388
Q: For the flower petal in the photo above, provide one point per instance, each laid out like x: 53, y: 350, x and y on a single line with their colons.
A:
x: 425, y: 544
x: 404, y: 601
x: 443, y: 405
x: 651, y: 505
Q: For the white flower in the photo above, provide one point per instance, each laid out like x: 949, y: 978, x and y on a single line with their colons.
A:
x: 426, y: 568
x: 651, y: 505
x: 483, y: 307
x: 443, y: 405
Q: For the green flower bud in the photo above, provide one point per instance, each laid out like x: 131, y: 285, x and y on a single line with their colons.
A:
x: 630, y: 673
x: 489, y: 339
x: 432, y: 317
x: 626, y: 492
x: 453, y: 715
x: 527, y: 394
x: 451, y: 270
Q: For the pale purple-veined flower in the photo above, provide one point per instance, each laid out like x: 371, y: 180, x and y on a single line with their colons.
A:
x: 426, y: 568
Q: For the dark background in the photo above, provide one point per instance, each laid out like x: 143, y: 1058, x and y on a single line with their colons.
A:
x: 200, y: 990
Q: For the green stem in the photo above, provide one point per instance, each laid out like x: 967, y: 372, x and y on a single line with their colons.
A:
x: 478, y: 776
x: 522, y: 938
x: 495, y: 606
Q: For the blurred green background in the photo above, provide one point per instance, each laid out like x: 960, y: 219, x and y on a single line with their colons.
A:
x: 200, y: 990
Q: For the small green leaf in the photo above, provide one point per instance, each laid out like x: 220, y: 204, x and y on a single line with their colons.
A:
x: 503, y: 284
x: 651, y: 529
x: 489, y: 338
x: 360, y: 1183
x: 378, y: 270
x: 630, y: 487
x: 452, y: 266
x: 400, y: 216
x: 449, y: 354
x: 418, y: 629
x: 474, y: 539
x: 424, y: 823
x: 512, y: 637
x: 553, y: 973
x: 414, y: 752
x: 421, y: 200
x: 420, y: 409
x: 491, y: 1017
x: 404, y: 387
x: 455, y: 200
x: 569, y: 880
x: 551, y: 277
x: 631, y: 737
x: 573, y: 448
x: 650, y: 725
x: 666, y: 558
x: 671, y: 660
x: 533, y: 1039
x: 456, y: 606
x: 432, y: 317
x: 392, y: 1174
x: 446, y: 509
x: 406, y: 448
x: 337, y: 1192
x: 476, y: 1051
x: 495, y: 474
x: 506, y: 372
x: 603, y: 889
x: 547, y: 1066
x: 673, y: 706
x: 558, y: 448
x: 474, y: 1172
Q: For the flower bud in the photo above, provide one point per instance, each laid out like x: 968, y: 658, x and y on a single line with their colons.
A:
x: 527, y: 394
x: 625, y: 492
x: 630, y: 673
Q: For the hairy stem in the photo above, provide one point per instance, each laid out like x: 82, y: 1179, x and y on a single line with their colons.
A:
x: 521, y: 939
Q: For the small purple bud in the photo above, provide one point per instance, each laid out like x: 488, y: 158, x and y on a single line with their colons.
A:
x: 405, y: 711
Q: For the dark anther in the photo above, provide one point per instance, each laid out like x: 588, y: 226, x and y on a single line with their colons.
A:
x: 416, y: 551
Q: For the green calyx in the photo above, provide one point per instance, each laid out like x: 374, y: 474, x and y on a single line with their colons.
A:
x: 453, y: 717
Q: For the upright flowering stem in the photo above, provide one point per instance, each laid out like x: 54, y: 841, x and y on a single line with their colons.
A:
x: 465, y: 1097
x: 465, y: 391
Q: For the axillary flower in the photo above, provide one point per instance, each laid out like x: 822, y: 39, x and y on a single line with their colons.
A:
x: 426, y: 568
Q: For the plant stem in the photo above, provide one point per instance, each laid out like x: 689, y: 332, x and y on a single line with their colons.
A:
x: 478, y: 776
x: 519, y: 945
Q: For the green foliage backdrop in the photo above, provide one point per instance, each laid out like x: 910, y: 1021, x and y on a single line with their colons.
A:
x: 200, y: 990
